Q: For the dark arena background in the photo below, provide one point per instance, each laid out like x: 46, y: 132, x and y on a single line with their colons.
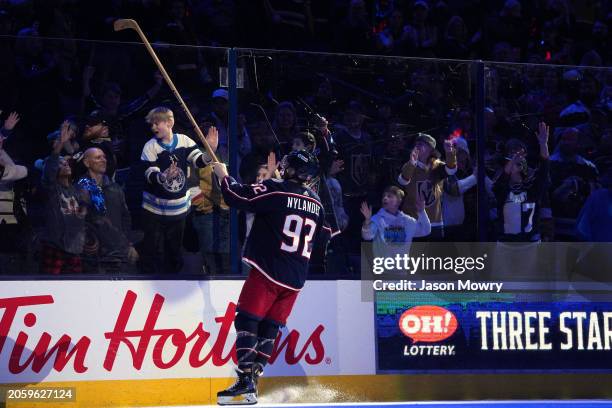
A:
x: 473, y: 134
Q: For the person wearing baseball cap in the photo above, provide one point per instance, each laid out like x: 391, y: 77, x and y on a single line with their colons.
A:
x: 96, y: 134
x: 422, y: 177
x: 428, y: 140
x: 220, y: 93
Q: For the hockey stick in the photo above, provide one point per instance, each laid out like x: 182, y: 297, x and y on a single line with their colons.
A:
x: 124, y: 24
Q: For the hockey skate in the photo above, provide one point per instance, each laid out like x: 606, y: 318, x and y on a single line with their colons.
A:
x: 243, y: 392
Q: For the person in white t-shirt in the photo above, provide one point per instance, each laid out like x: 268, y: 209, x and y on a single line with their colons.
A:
x: 391, y: 230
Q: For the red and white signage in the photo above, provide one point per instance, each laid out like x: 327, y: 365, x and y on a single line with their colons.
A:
x: 100, y: 330
x: 428, y: 324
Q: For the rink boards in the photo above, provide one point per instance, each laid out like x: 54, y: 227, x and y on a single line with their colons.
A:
x: 164, y: 342
x: 147, y: 343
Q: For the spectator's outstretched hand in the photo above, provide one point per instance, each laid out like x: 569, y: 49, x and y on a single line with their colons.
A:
x: 542, y: 135
x: 212, y: 137
x: 271, y: 166
x: 543, y: 132
x: 414, y: 155
x: 419, y: 202
x: 366, y: 210
x: 65, y: 133
x: 321, y: 125
x: 449, y: 147
x: 11, y: 121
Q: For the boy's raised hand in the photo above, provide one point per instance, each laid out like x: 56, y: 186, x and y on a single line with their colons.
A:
x: 366, y: 210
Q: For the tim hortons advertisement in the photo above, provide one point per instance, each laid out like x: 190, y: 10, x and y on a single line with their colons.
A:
x: 77, y: 330
x: 510, y: 336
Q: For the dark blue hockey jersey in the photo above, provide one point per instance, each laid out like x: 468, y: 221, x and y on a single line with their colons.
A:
x: 289, y: 221
x: 171, y: 197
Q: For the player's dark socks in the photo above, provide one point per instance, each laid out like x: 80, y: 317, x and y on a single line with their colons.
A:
x: 246, y: 352
x: 246, y: 341
x: 266, y: 335
x: 264, y: 350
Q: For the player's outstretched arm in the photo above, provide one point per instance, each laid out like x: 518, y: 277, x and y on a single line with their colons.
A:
x: 245, y: 197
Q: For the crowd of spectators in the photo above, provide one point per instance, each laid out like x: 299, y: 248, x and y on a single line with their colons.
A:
x: 558, y: 31
x: 71, y: 192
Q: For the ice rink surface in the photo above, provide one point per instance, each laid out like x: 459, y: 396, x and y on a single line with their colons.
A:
x: 446, y: 404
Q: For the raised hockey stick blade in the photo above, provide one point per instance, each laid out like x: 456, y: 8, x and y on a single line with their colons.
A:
x: 124, y: 24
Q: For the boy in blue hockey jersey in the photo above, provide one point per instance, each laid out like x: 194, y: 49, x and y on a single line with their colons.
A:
x: 165, y: 198
x: 289, y: 220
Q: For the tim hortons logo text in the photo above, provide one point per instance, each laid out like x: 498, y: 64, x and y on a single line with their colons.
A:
x: 168, y: 345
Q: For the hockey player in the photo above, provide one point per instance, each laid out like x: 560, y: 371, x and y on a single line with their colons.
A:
x: 289, y: 218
